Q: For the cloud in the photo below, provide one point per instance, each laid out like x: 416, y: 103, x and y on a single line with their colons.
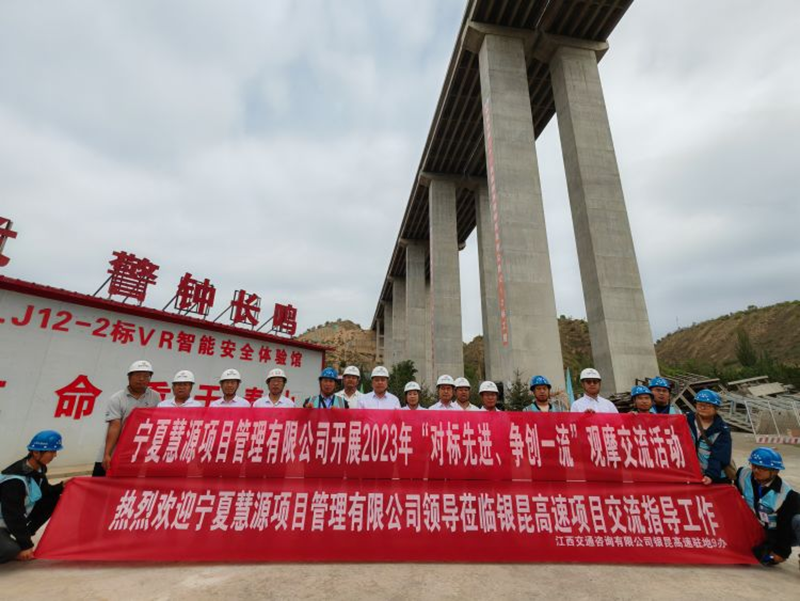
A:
x: 272, y: 147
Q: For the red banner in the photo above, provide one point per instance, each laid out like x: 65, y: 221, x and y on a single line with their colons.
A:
x: 165, y: 519
x: 297, y: 443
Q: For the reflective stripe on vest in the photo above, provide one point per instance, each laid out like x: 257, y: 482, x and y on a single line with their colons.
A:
x: 338, y: 403
x: 703, y: 450
x: 32, y: 493
x: 768, y: 505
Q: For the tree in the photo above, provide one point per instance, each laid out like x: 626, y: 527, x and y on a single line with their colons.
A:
x: 518, y: 396
x: 745, y: 352
x: 399, y: 376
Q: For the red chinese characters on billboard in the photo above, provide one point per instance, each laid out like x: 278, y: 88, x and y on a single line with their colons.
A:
x: 5, y: 233
x: 130, y: 276
x: 245, y: 308
x: 77, y: 399
x: 128, y: 333
x: 194, y: 296
x: 284, y: 319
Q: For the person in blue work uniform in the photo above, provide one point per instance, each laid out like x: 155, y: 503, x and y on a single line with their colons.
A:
x: 662, y: 397
x: 775, y: 504
x: 540, y: 387
x: 642, y: 400
x: 27, y: 499
x: 712, y: 437
x: 326, y: 399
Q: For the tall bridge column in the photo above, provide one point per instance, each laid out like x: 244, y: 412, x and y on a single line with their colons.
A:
x: 398, y: 320
x: 619, y: 328
x: 487, y: 266
x: 448, y: 345
x: 528, y: 322
x: 388, y: 327
x: 416, y: 316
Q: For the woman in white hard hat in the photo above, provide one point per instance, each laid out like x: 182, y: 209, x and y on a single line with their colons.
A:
x: 229, y: 383
x: 489, y: 393
x: 182, y: 385
x: 275, y: 399
x: 411, y: 393
x: 445, y: 388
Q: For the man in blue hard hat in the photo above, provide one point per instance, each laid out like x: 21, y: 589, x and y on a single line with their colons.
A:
x: 662, y: 401
x: 775, y: 504
x: 27, y: 499
x: 711, y: 436
x: 326, y: 399
x: 642, y: 400
x: 540, y: 387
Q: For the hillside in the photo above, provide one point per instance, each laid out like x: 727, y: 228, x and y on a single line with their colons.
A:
x: 774, y: 329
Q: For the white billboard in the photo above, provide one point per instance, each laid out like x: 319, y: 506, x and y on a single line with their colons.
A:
x: 63, y: 354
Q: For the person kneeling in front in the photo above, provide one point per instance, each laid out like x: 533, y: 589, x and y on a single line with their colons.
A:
x: 27, y: 499
x: 775, y: 504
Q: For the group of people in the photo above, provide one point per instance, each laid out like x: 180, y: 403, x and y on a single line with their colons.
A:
x: 27, y: 499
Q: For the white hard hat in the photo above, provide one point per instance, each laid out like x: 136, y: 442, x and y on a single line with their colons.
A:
x: 590, y: 374
x: 445, y: 380
x: 411, y: 386
x: 276, y: 373
x: 141, y: 365
x: 463, y: 383
x: 351, y: 370
x: 488, y: 387
x: 380, y: 372
x: 230, y: 374
x: 183, y: 375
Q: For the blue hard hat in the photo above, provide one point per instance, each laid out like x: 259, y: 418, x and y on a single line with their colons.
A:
x: 766, y: 457
x: 659, y: 381
x: 637, y: 390
x: 329, y: 373
x: 46, y: 440
x: 708, y: 396
x: 539, y: 381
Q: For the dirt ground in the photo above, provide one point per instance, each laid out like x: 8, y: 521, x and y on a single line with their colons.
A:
x: 88, y: 581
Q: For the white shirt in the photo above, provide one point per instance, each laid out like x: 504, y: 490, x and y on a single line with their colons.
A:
x: 599, y: 405
x: 190, y: 402
x: 451, y: 406
x: 418, y: 407
x: 372, y: 401
x: 236, y: 401
x: 493, y: 410
x: 266, y: 402
x: 469, y: 407
x: 352, y: 401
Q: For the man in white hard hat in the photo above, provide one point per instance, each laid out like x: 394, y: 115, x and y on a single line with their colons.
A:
x: 591, y: 401
x: 182, y: 385
x: 380, y: 397
x: 229, y: 383
x: 445, y: 388
x: 350, y: 379
x: 411, y: 393
x: 462, y: 395
x: 136, y: 394
x: 275, y: 399
x: 489, y: 394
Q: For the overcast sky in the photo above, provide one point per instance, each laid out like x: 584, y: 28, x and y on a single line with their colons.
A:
x: 271, y: 146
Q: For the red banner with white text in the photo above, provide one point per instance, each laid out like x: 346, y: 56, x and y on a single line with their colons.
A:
x: 168, y: 519
x: 307, y: 443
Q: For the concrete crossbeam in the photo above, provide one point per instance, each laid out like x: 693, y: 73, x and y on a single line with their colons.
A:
x: 619, y: 328
x: 448, y: 346
x: 526, y: 298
